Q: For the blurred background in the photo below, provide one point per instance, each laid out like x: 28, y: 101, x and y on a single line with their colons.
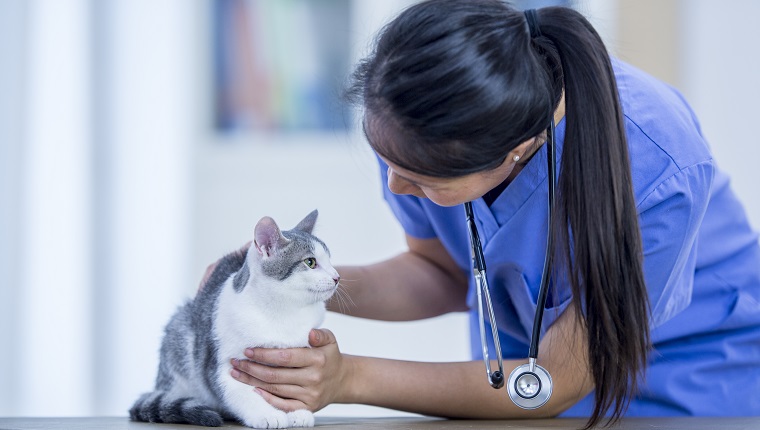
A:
x: 140, y: 140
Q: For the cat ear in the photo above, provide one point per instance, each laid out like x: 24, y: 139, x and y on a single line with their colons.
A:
x: 267, y: 237
x: 307, y: 224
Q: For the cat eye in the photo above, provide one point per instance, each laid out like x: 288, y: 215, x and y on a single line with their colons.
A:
x: 310, y: 262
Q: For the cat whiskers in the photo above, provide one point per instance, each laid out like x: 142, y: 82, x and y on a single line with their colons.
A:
x: 343, y: 299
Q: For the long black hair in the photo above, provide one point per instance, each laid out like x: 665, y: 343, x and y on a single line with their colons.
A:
x: 460, y: 83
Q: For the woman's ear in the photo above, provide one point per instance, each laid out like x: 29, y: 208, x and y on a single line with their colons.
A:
x: 524, y: 150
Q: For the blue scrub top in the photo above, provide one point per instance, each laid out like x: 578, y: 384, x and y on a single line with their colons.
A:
x: 701, y: 259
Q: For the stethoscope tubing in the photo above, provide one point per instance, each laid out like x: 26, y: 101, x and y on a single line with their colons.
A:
x: 530, y: 370
x: 543, y: 290
x: 495, y: 379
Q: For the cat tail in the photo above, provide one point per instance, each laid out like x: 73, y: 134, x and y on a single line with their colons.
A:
x: 159, y: 407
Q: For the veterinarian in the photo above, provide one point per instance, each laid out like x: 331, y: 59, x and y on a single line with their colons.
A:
x: 653, y: 305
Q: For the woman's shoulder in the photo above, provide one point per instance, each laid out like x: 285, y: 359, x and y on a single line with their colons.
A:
x: 664, y: 135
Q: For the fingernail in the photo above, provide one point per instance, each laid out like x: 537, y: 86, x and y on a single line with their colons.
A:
x: 235, y: 373
x: 317, y: 336
x: 249, y: 352
x: 235, y: 362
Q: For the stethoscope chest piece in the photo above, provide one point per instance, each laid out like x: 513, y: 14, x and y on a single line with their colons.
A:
x: 529, y: 388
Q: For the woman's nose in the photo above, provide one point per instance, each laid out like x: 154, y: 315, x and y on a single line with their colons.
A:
x: 398, y: 185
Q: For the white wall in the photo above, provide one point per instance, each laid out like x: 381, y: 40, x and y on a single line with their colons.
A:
x: 53, y: 307
x: 99, y: 148
x: 13, y: 45
x: 147, y: 119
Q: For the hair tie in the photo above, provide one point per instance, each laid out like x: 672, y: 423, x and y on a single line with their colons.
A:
x: 532, y: 18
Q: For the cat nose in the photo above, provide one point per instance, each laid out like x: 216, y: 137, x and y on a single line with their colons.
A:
x: 336, y: 278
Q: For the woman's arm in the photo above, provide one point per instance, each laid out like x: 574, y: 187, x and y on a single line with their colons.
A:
x: 422, y: 282
x: 460, y: 390
x: 312, y: 378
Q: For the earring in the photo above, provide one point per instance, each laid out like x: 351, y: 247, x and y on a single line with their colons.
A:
x: 516, y: 158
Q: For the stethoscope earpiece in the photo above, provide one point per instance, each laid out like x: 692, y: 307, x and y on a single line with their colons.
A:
x: 497, y: 379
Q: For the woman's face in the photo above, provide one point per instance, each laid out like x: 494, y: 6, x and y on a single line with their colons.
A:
x: 450, y: 191
x: 447, y: 191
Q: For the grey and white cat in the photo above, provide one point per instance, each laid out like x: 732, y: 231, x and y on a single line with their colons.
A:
x: 270, y: 297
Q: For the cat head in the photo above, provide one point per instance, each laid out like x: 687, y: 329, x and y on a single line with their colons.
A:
x: 294, y: 263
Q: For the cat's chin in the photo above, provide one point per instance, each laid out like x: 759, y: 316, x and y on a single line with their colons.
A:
x: 322, y: 294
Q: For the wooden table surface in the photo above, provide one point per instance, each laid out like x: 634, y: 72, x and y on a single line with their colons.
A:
x: 399, y: 423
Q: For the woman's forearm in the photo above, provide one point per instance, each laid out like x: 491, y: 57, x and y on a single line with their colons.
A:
x: 461, y: 390
x: 396, y: 290
x: 452, y: 390
x: 420, y: 283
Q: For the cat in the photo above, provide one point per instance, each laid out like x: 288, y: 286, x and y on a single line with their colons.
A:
x: 271, y: 296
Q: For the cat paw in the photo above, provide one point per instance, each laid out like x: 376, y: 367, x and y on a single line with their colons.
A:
x: 301, y: 418
x: 270, y: 420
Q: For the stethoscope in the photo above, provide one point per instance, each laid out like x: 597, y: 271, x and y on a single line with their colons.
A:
x: 529, y: 385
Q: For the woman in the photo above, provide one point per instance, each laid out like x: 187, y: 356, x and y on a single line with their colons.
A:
x: 655, y: 299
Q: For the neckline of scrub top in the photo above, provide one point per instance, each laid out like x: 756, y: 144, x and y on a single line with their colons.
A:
x: 533, y: 174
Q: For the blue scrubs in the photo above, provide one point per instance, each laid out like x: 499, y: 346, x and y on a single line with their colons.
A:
x: 701, y: 259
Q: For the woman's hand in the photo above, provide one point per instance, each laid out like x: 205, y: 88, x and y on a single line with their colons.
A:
x: 296, y: 378
x: 210, y: 269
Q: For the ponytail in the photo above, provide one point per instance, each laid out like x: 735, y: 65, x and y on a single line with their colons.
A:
x: 597, y: 233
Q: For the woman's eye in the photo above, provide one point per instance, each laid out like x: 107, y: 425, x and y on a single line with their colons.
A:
x: 310, y: 262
